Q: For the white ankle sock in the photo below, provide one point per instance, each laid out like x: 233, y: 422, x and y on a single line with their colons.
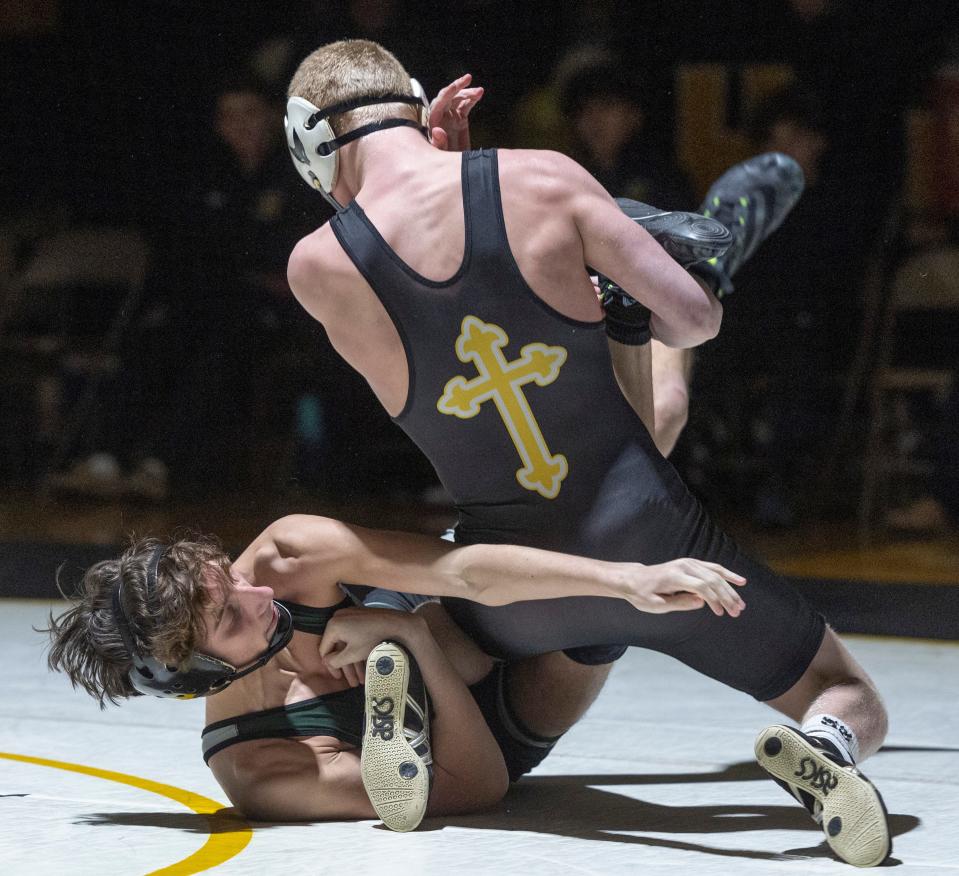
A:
x: 836, y: 731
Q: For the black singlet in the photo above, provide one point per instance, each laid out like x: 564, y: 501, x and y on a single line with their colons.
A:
x: 518, y: 409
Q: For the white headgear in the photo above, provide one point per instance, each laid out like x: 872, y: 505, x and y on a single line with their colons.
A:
x: 313, y: 145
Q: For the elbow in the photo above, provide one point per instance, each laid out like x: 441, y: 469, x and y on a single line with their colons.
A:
x: 494, y: 787
x: 706, y: 318
x: 476, y: 592
x: 714, y: 319
x: 469, y: 582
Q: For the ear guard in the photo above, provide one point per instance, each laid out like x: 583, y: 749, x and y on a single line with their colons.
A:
x: 201, y: 675
x: 313, y: 145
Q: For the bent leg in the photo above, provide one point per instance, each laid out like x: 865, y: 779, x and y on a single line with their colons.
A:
x: 551, y: 692
x: 529, y: 704
x: 843, y: 720
x: 835, y: 684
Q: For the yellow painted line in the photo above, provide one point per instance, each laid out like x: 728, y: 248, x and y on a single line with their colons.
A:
x: 222, y: 844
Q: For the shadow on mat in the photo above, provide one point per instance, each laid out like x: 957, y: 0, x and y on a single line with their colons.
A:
x: 222, y: 821
x: 743, y: 771
x: 570, y: 806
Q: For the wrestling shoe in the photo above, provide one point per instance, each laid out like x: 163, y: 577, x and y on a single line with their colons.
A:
x: 396, y: 762
x: 751, y: 199
x: 688, y: 237
x: 840, y: 798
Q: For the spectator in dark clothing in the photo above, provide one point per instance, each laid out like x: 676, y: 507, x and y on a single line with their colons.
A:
x: 774, y: 373
x: 205, y: 384
x: 603, y: 106
x: 233, y: 315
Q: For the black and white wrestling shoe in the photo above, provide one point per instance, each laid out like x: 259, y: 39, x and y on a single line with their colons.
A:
x: 839, y: 798
x: 751, y: 199
x: 396, y: 762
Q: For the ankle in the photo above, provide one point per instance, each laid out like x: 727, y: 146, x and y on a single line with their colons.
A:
x: 833, y: 735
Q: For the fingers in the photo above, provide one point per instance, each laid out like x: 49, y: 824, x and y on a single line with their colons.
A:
x: 445, y: 95
x: 354, y: 673
x: 681, y: 602
x: 732, y: 577
x: 467, y: 99
x: 716, y: 591
x: 328, y: 642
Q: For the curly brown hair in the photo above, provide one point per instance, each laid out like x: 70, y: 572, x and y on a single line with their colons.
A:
x: 85, y: 641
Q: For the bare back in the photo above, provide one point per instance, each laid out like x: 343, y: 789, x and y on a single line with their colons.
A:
x: 421, y: 218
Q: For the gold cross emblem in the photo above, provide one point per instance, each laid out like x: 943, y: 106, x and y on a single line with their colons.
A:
x: 501, y: 382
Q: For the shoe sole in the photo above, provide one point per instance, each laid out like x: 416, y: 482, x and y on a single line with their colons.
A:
x: 395, y: 777
x: 688, y: 237
x: 853, y: 814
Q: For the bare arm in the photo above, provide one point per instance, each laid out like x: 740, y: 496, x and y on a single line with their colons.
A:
x: 683, y: 313
x: 285, y: 780
x: 315, y: 551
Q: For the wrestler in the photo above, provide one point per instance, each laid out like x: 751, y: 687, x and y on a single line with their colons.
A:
x: 284, y: 712
x: 456, y: 285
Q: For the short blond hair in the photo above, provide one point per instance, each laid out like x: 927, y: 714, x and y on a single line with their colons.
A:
x: 349, y: 69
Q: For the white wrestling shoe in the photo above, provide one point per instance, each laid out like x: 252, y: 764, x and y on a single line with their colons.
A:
x: 397, y: 761
x: 840, y: 798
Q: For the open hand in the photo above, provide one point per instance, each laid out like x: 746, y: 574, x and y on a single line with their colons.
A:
x: 449, y: 114
x: 685, y: 585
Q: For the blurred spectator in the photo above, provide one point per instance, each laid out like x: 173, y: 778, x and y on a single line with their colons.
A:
x: 603, y: 106
x: 204, y: 384
x: 233, y: 313
x: 772, y: 378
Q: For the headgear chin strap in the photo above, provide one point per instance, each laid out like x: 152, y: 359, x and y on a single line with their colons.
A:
x: 201, y: 675
x: 314, y: 146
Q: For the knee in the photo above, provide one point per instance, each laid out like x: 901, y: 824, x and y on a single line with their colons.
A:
x: 858, y: 693
x: 671, y: 405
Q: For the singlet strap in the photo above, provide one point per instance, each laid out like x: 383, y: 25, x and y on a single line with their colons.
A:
x: 484, y: 208
x: 310, y: 619
x: 375, y: 259
x: 339, y: 715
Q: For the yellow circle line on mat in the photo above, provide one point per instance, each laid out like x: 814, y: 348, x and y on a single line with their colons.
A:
x: 219, y: 846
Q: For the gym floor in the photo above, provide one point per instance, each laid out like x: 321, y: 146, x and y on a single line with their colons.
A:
x: 659, y: 776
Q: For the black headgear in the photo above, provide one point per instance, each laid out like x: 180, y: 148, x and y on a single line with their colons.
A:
x: 200, y: 675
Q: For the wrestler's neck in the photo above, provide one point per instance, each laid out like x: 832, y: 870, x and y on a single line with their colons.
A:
x: 295, y: 674
x: 374, y: 164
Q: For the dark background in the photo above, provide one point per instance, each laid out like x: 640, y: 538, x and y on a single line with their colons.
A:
x: 106, y: 111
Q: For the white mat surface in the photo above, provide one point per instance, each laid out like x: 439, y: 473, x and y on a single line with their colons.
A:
x: 657, y: 779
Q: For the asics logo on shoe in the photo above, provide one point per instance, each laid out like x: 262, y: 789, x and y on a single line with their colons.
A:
x: 819, y: 778
x: 382, y: 720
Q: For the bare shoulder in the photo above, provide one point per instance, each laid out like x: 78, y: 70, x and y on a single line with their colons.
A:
x: 543, y: 173
x: 318, y: 270
x: 300, y: 535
